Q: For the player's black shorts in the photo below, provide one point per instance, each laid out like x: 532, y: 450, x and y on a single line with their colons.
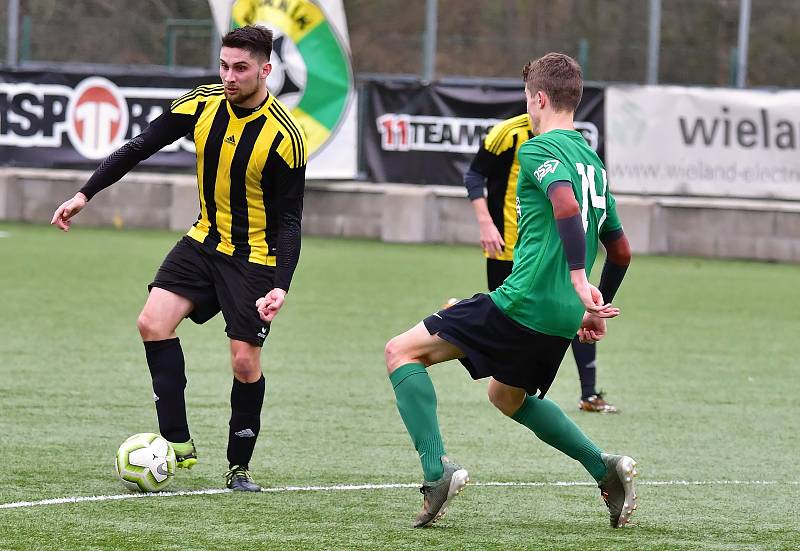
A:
x: 497, y: 271
x: 214, y: 281
x: 497, y: 346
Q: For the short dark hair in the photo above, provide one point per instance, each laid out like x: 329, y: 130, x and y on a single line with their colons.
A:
x: 557, y: 75
x: 254, y: 38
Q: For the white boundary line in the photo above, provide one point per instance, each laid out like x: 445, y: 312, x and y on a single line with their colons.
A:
x: 356, y: 487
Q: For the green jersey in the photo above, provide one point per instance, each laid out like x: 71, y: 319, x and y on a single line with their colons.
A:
x: 539, y: 293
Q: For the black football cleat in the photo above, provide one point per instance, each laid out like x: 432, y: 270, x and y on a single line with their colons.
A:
x: 239, y: 479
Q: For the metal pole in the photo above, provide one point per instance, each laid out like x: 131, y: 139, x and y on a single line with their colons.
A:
x: 744, y: 35
x: 216, y: 43
x: 171, y: 45
x: 429, y: 47
x: 583, y: 57
x: 13, y: 33
x: 654, y: 41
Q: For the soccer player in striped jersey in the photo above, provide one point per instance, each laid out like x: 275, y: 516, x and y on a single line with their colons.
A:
x: 495, y: 168
x: 518, y: 334
x: 240, y: 254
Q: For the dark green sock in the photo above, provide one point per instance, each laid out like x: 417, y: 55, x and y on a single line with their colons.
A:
x: 416, y: 401
x: 552, y: 426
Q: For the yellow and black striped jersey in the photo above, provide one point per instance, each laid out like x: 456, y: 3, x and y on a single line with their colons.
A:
x: 497, y: 161
x: 251, y: 167
x: 247, y: 161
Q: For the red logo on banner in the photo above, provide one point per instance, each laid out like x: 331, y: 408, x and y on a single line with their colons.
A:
x: 395, y: 132
x: 97, y: 118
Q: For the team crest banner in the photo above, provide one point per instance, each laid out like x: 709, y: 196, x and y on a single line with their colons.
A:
x: 312, y: 75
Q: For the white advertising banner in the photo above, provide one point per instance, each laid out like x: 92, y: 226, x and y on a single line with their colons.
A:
x: 703, y: 141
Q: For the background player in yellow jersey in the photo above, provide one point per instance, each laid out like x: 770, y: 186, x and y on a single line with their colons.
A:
x: 240, y: 255
x: 495, y: 168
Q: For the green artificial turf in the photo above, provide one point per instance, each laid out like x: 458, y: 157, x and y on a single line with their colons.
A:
x: 703, y: 364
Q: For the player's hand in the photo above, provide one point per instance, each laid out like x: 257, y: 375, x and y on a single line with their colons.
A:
x: 270, y: 304
x: 591, y: 297
x: 491, y: 240
x: 68, y: 209
x: 593, y: 328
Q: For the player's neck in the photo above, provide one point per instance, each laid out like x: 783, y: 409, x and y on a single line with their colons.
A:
x: 562, y: 120
x: 254, y: 101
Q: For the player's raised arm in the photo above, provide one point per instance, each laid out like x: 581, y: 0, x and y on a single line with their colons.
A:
x: 570, y: 228
x: 164, y: 130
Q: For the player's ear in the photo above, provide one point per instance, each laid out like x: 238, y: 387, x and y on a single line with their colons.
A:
x: 541, y: 99
x: 266, y: 69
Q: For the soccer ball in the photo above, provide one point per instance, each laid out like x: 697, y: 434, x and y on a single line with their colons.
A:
x: 450, y: 302
x: 145, y: 462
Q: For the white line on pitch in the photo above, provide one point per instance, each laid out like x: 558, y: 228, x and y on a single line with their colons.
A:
x: 81, y: 499
x: 355, y: 487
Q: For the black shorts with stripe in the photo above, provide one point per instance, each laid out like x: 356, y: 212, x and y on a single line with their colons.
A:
x: 497, y: 346
x: 216, y: 282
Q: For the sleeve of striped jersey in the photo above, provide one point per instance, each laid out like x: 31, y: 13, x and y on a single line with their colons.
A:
x: 164, y: 130
x: 289, y: 241
x: 293, y: 148
x: 541, y: 166
x: 501, y: 137
x: 187, y: 104
x: 290, y: 184
x: 484, y: 163
x: 612, y: 221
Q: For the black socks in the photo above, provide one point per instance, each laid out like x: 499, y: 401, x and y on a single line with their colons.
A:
x: 246, y: 402
x: 165, y: 360
x: 585, y: 355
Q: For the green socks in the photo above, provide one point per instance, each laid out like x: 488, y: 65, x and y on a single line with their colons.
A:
x: 552, y: 426
x: 416, y: 401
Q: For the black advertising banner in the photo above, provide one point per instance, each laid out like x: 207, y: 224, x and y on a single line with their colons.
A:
x: 427, y: 133
x: 75, y: 119
x: 410, y: 132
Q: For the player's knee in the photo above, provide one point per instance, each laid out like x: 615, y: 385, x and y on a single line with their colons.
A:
x: 389, y: 353
x: 149, y: 328
x: 506, y: 402
x: 246, y: 367
x: 395, y: 354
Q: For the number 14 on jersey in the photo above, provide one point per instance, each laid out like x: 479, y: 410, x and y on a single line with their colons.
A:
x: 589, y: 193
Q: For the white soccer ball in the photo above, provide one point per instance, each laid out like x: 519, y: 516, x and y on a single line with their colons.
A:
x: 145, y: 462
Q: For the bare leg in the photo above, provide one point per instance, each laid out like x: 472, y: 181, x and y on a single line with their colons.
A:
x: 418, y: 346
x: 161, y: 315
x: 508, y: 399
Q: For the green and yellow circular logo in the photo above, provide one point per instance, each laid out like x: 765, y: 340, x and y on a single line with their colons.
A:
x: 312, y: 74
